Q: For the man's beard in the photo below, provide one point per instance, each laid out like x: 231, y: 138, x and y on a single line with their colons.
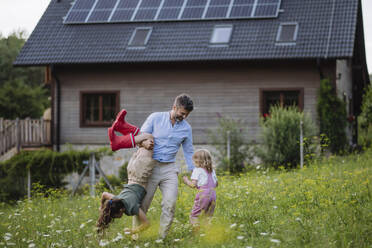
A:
x: 179, y: 118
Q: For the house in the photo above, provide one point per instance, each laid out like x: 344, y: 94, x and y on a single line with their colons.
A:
x: 234, y: 57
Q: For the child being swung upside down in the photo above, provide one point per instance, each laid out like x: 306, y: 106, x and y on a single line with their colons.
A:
x: 139, y: 169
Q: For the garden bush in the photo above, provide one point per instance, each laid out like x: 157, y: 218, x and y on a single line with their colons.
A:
x: 123, y: 174
x: 47, y: 168
x: 280, y: 133
x: 365, y: 120
x: 332, y: 117
x: 240, y: 153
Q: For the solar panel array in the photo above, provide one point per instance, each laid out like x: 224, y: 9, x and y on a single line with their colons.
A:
x: 108, y: 11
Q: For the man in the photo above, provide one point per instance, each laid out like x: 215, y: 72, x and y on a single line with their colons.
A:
x: 170, y: 130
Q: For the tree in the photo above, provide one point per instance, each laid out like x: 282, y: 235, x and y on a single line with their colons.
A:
x: 22, y: 93
x: 18, y: 99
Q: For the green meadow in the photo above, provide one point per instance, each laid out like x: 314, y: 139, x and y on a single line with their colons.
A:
x: 326, y: 204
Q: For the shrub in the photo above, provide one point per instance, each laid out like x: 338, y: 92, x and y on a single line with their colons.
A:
x: 365, y: 119
x: 47, y: 168
x: 239, y: 150
x: 123, y: 174
x: 115, y: 182
x: 280, y: 134
x: 332, y: 117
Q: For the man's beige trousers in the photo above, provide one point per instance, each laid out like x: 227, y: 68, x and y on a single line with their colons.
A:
x: 164, y: 176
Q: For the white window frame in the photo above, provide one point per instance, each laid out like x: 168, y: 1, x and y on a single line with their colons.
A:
x: 134, y: 34
x: 293, y: 42
x: 215, y: 28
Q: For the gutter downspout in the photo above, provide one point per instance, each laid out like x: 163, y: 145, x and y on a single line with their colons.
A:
x: 58, y: 107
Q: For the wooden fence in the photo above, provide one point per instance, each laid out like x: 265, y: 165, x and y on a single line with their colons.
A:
x: 24, y: 133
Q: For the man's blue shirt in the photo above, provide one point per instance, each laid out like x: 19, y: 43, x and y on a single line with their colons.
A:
x: 168, y: 138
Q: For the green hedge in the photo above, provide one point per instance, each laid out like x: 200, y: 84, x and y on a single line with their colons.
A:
x: 48, y: 168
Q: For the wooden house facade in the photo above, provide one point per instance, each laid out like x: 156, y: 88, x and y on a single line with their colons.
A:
x: 235, y: 58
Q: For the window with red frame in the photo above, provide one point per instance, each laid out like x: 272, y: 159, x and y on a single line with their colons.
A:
x: 283, y: 98
x: 98, y: 108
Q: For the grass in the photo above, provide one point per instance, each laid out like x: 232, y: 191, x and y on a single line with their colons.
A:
x: 327, y: 204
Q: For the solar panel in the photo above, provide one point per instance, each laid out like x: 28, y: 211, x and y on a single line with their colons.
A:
x: 169, y: 13
x: 266, y: 10
x: 102, y: 11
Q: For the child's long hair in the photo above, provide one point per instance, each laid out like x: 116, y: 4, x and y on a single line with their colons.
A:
x: 110, y: 210
x: 203, y: 159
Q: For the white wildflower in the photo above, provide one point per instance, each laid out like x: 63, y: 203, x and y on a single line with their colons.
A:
x: 256, y: 222
x: 258, y: 167
x: 82, y: 225
x: 264, y: 234
x: 233, y: 225
x: 46, y: 235
x: 31, y: 245
x: 298, y: 219
x: 274, y: 198
x: 16, y: 214
x: 7, y: 238
x: 241, y: 225
x: 88, y: 234
x: 240, y: 237
x: 202, y: 235
x: 118, y: 237
x: 147, y: 244
x: 275, y: 241
x: 248, y: 247
x: 158, y: 241
x: 11, y: 244
x: 90, y: 220
x: 275, y: 207
x: 127, y: 232
x: 176, y: 240
x: 1, y: 213
x: 103, y: 243
x: 59, y: 231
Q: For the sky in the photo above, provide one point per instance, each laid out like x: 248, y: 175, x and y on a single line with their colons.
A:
x: 24, y: 14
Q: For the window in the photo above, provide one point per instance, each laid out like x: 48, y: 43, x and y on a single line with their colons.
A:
x: 281, y: 97
x: 98, y: 108
x: 221, y: 34
x: 287, y: 33
x: 140, y: 37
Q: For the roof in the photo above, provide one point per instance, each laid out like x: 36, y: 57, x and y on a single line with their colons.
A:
x: 326, y: 29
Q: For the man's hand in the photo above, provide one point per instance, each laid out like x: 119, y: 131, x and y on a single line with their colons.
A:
x: 148, y: 144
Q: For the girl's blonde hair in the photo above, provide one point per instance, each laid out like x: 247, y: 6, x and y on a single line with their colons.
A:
x: 203, y: 159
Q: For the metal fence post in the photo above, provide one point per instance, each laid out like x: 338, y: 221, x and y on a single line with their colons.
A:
x: 301, y: 145
x: 92, y: 175
x: 29, y: 183
x: 228, y: 149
